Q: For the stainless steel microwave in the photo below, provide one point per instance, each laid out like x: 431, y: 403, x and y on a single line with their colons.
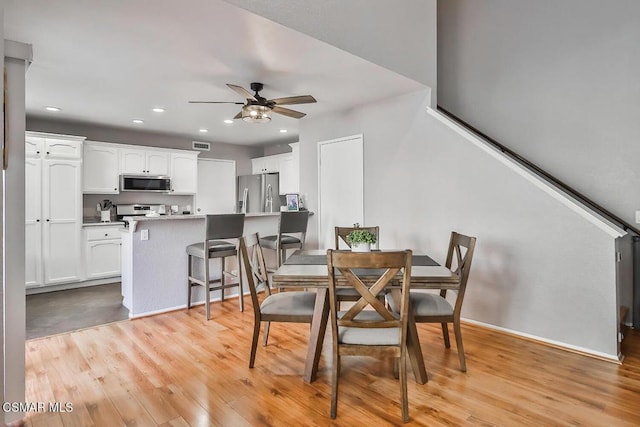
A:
x: 150, y: 183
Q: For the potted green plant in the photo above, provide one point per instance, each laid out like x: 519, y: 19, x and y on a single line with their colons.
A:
x: 361, y: 240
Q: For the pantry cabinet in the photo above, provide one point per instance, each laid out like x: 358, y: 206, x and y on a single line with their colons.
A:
x: 53, y: 220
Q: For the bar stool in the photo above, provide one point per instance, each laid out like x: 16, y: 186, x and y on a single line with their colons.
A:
x: 290, y: 222
x: 227, y: 226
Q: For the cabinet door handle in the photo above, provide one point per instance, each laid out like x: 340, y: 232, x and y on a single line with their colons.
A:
x: 47, y: 152
x: 115, y: 189
x: 47, y: 219
x: 37, y: 220
x: 37, y: 152
x: 105, y: 234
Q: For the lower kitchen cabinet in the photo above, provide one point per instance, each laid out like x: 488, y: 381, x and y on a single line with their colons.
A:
x: 102, y: 251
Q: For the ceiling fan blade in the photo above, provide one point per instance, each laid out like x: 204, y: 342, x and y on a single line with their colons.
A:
x: 216, y: 102
x: 289, y: 113
x: 242, y: 92
x: 290, y: 100
x: 238, y: 116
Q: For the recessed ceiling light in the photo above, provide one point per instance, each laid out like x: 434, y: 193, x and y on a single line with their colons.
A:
x: 204, y: 130
x: 283, y: 131
x: 228, y: 121
x: 51, y: 108
x: 157, y: 110
x: 137, y: 121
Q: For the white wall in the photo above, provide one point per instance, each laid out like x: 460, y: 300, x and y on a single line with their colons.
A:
x: 13, y: 228
x: 556, y: 81
x: 400, y: 36
x: 540, y: 268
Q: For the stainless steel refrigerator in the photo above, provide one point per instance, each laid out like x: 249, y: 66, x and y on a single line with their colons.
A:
x: 259, y: 193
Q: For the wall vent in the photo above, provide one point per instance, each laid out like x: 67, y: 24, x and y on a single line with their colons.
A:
x: 201, y: 146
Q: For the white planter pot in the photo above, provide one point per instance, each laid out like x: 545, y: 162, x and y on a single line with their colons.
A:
x: 361, y: 247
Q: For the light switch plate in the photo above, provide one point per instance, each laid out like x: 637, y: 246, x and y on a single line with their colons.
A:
x: 144, y: 234
x: 637, y: 217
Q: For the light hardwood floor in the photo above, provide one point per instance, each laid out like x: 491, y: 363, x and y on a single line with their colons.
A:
x: 177, y: 369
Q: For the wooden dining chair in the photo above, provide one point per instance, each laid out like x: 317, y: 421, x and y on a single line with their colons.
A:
x: 291, y: 307
x: 433, y: 308
x: 368, y: 328
x: 341, y: 234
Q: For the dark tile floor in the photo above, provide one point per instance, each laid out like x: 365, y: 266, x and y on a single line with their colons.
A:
x: 63, y: 311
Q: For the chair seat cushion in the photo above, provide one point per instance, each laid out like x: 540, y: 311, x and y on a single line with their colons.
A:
x: 368, y: 336
x: 425, y: 304
x: 197, y: 249
x: 270, y: 241
x: 298, y: 303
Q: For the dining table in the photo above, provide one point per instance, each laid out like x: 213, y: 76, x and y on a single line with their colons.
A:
x: 308, y: 269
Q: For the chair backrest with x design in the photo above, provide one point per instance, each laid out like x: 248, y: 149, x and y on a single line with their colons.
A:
x: 462, y: 247
x: 370, y: 274
x: 255, y: 267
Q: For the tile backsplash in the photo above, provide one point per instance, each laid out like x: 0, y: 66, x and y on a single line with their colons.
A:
x: 89, y: 201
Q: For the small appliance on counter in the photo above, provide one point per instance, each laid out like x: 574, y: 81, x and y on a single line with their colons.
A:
x: 105, y: 210
x: 140, y: 210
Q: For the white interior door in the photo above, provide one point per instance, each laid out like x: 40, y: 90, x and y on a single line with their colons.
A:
x: 341, y: 186
x: 216, y: 186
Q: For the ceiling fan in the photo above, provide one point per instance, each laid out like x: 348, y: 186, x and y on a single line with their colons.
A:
x: 258, y: 109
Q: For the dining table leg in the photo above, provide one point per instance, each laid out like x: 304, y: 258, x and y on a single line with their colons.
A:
x: 316, y: 336
x: 415, y: 353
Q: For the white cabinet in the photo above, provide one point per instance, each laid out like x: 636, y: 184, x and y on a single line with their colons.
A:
x: 290, y: 171
x: 62, y: 213
x: 148, y: 161
x: 33, y: 222
x: 184, y: 173
x: 100, y: 168
x: 53, y: 206
x: 268, y: 163
x: 103, y: 245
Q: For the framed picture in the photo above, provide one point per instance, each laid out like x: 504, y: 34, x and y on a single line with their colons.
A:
x: 293, y: 201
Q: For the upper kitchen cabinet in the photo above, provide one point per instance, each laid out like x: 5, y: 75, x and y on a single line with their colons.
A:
x: 184, y: 173
x: 53, y: 146
x: 267, y: 164
x: 144, y: 162
x: 100, y: 172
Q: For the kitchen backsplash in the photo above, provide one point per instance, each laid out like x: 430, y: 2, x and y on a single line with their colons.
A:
x: 89, y: 201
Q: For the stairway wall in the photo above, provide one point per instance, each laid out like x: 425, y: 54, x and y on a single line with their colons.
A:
x: 556, y: 82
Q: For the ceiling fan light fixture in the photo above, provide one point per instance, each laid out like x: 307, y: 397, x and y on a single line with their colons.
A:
x: 256, y: 114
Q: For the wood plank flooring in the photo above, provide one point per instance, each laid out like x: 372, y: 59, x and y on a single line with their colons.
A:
x: 177, y: 369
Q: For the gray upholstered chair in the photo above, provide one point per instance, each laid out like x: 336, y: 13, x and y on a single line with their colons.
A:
x: 292, y: 307
x: 375, y: 332
x: 434, y: 308
x: 290, y: 223
x: 217, y: 228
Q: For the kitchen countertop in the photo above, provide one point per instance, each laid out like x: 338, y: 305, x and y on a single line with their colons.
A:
x: 95, y: 222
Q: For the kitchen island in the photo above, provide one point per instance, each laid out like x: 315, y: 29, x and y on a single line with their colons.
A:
x: 154, y: 259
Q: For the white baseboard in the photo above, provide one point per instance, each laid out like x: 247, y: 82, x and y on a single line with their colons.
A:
x: 552, y: 343
x: 73, y: 285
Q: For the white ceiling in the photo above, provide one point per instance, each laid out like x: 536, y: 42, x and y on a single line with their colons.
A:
x: 108, y: 62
